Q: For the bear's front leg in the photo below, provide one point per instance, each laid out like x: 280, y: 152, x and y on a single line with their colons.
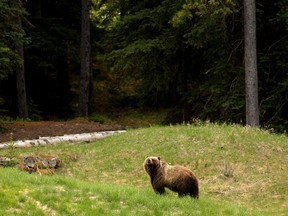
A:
x: 158, y: 188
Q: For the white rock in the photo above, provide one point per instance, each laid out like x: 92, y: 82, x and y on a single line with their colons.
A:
x: 42, y: 141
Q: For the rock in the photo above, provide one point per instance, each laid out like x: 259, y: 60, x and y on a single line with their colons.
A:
x: 42, y: 141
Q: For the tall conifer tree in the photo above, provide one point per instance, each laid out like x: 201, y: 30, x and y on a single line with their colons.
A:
x: 20, y: 72
x: 85, y: 58
x: 250, y: 58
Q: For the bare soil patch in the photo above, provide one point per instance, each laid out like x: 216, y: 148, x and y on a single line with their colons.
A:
x: 33, y: 130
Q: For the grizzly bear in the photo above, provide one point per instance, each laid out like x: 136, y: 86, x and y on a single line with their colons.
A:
x: 177, y: 178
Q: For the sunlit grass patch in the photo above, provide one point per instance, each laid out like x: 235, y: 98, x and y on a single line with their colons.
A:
x: 242, y: 171
x: 58, y: 195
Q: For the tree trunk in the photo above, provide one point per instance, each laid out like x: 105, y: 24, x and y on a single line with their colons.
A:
x: 20, y: 77
x: 250, y: 59
x: 91, y: 104
x: 21, y: 86
x: 85, y: 58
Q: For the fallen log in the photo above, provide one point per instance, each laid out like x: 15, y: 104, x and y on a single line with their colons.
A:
x: 42, y: 141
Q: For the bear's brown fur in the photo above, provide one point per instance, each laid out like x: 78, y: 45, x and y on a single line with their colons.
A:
x: 176, y: 178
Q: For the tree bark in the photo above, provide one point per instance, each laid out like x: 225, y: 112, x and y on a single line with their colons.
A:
x: 21, y: 86
x: 250, y: 59
x: 20, y: 77
x: 85, y: 58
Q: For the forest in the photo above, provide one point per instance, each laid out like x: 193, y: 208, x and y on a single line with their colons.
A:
x: 184, y: 56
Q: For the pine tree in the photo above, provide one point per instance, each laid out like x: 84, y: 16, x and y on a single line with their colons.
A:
x: 250, y: 58
x: 11, y: 49
x: 85, y: 59
x: 20, y: 71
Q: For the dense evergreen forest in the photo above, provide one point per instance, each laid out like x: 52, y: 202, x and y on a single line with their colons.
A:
x: 182, y: 55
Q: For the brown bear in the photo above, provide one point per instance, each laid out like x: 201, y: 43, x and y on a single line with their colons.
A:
x: 177, y: 178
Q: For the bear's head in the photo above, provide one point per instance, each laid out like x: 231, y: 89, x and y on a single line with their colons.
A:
x: 151, y: 164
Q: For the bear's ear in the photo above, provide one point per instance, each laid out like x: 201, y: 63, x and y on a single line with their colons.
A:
x: 158, y: 158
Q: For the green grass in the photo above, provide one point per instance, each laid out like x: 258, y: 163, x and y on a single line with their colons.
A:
x: 242, y: 171
x: 58, y: 195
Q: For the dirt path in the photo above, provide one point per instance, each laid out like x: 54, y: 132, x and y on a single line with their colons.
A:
x: 32, y: 130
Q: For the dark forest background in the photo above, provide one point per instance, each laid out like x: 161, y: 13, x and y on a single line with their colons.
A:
x: 183, y: 56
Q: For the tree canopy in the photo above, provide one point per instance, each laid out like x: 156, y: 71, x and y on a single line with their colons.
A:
x: 185, y: 55
x: 10, y: 35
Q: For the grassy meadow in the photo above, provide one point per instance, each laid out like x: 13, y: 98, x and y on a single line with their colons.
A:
x: 241, y: 171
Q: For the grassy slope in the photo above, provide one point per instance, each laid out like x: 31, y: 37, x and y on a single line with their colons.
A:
x: 242, y: 171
